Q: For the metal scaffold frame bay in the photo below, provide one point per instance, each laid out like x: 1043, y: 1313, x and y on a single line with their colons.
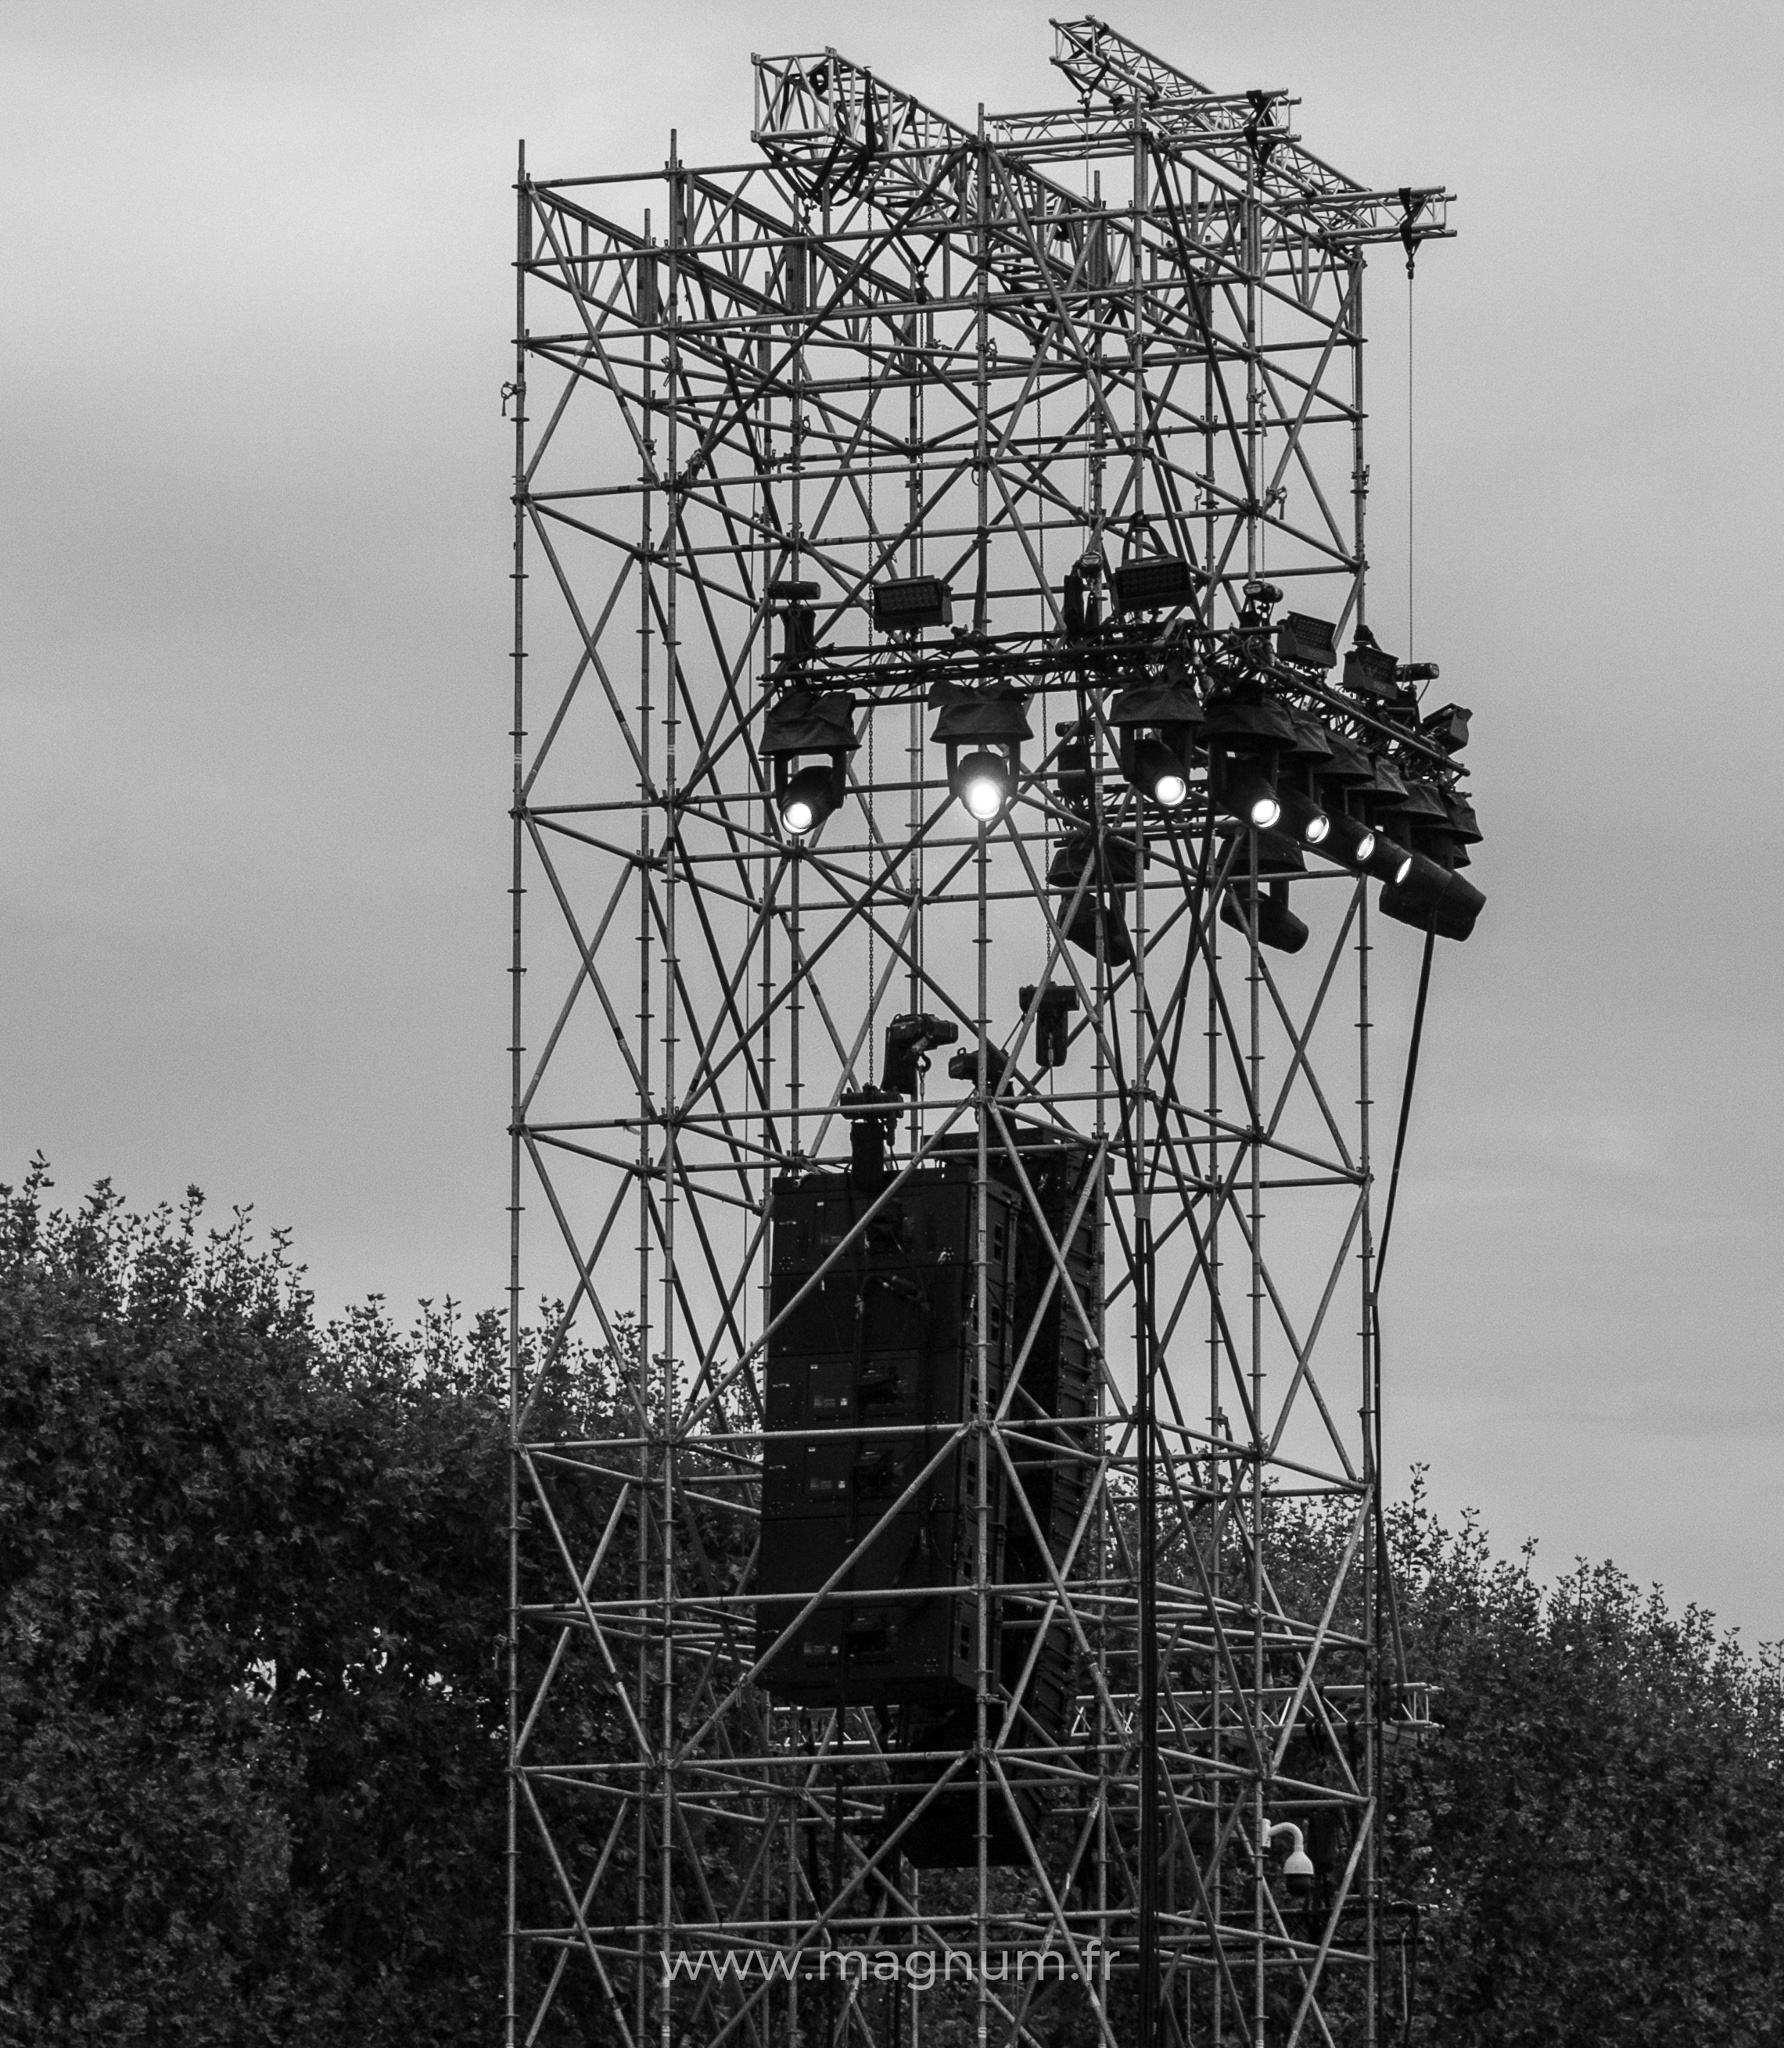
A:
x: 1035, y: 360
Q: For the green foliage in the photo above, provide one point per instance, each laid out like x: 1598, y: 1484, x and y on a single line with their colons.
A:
x: 1596, y: 1839
x: 252, y: 1710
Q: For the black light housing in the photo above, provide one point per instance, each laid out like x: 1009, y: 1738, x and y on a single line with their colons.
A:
x: 910, y: 1040
x: 1308, y: 643
x: 808, y: 722
x: 1158, y: 774
x: 1246, y: 790
x: 1057, y: 1002
x: 911, y: 603
x: 1152, y: 583
x: 1156, y: 722
x: 992, y: 724
x: 1429, y: 897
x: 1277, y: 926
x: 807, y: 799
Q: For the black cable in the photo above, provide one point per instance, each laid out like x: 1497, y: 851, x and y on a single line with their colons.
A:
x: 1412, y: 1067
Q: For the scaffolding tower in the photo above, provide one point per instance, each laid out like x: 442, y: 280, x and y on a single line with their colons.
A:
x: 1031, y: 1683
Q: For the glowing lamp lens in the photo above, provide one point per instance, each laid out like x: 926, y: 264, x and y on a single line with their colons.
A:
x: 1402, y: 871
x: 1265, y: 811
x: 983, y: 784
x: 798, y: 816
x: 1317, y: 829
x: 1170, y: 790
x: 1364, y: 850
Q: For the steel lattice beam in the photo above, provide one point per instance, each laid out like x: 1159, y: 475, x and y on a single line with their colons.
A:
x: 891, y: 346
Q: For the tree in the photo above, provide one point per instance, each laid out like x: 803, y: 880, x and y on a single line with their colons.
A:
x: 1595, y: 1839
x: 252, y: 1711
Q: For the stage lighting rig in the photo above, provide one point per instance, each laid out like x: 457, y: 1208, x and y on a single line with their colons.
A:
x: 1307, y: 643
x: 1276, y: 925
x: 1152, y: 583
x: 1430, y: 897
x: 1245, y: 735
x: 1057, y: 1002
x: 992, y: 722
x: 794, y: 599
x: 909, y: 1042
x: 912, y: 603
x: 1156, y: 724
x: 808, y: 722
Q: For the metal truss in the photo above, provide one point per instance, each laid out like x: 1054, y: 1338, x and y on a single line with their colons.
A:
x: 886, y: 347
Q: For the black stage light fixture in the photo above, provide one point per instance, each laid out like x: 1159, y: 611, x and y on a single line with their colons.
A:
x: 1072, y: 768
x: 964, y: 1066
x: 1099, y: 900
x: 1387, y: 860
x: 911, y: 603
x: 1098, y: 919
x: 1447, y: 727
x: 1245, y: 737
x: 1349, y: 842
x: 808, y: 799
x: 1308, y: 643
x: 1156, y: 723
x: 872, y: 1115
x: 992, y: 722
x: 1429, y: 897
x: 1152, y: 583
x: 1369, y: 670
x: 1302, y: 817
x: 1057, y: 1002
x: 808, y: 722
x: 909, y: 1042
x: 1157, y: 773
x: 1246, y: 790
x: 983, y: 783
x: 1277, y: 926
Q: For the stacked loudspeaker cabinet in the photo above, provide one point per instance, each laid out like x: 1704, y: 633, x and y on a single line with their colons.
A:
x: 946, y: 1512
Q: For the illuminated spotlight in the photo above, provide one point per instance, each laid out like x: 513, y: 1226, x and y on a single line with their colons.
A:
x: 1388, y: 861
x: 983, y: 784
x: 1432, y: 898
x: 1349, y: 842
x: 1157, y: 773
x: 1246, y: 791
x: 807, y: 801
x: 808, y: 722
x: 1277, y: 926
x: 992, y: 722
x: 1246, y: 736
x: 1156, y: 723
x: 1302, y: 817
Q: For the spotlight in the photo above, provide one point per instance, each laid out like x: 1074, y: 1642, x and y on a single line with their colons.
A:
x: 1156, y: 722
x: 985, y: 779
x: 1050, y: 1028
x: 1247, y: 792
x: 1349, y: 842
x: 1303, y: 818
x: 1158, y: 773
x: 1276, y: 925
x: 807, y: 801
x: 1309, y: 643
x: 982, y: 783
x: 1431, y: 898
x: 909, y: 1042
x: 1152, y: 583
x: 912, y: 603
x: 964, y: 1066
x: 808, y: 722
x: 1388, y: 862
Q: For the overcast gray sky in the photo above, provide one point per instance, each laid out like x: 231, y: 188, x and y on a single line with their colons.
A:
x: 256, y: 321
